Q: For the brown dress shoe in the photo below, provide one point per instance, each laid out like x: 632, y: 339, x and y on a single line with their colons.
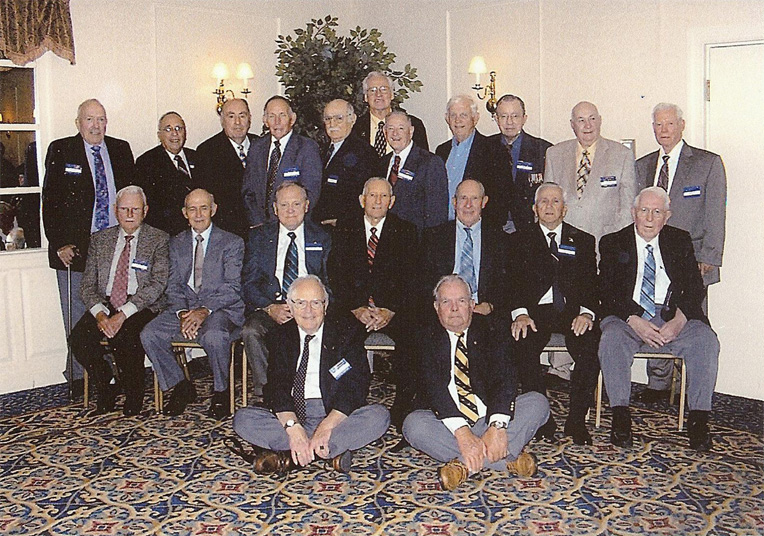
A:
x: 343, y: 463
x: 525, y: 465
x: 452, y: 475
x: 270, y: 462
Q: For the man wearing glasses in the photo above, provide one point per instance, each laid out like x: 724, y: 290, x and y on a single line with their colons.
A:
x: 165, y: 174
x: 276, y: 254
x: 318, y: 380
x: 378, y: 94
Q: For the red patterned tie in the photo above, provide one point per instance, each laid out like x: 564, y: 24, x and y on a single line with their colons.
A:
x: 119, y: 287
x: 393, y: 178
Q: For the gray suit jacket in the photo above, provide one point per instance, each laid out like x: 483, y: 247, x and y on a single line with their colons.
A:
x: 152, y: 248
x: 221, y: 278
x: 698, y: 201
x: 603, y: 208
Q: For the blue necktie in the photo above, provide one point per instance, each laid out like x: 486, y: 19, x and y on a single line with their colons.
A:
x: 290, y: 264
x: 467, y: 262
x: 647, y: 295
x: 101, y: 191
x: 558, y: 300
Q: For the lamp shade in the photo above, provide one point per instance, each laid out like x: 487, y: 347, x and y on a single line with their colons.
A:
x: 220, y: 71
x: 244, y: 71
x: 477, y: 66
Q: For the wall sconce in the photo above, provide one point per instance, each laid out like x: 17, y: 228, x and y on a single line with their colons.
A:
x: 220, y: 72
x: 478, y: 67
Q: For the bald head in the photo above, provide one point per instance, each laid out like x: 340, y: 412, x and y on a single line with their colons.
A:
x: 586, y: 123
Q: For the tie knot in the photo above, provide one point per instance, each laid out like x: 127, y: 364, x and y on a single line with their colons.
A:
x: 374, y: 231
x: 460, y: 336
x: 397, y: 160
x: 308, y: 338
x: 468, y: 231
x: 509, y: 147
x: 665, y: 158
x: 277, y: 143
x: 128, y: 238
x: 585, y: 153
x: 551, y: 235
x: 96, y: 149
x: 199, y: 238
x: 649, y: 248
x: 178, y: 158
x: 291, y: 235
x: 381, y: 124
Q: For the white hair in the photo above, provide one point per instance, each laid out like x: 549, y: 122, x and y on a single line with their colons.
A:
x: 549, y: 184
x: 462, y: 98
x: 657, y: 190
x: 132, y: 189
x: 663, y: 106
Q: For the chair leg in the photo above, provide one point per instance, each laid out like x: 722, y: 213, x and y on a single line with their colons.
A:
x: 598, y: 413
x: 370, y: 359
x: 158, y: 396
x: 85, y: 389
x: 243, y: 375
x: 682, y: 394
x: 672, y: 392
x: 232, y: 379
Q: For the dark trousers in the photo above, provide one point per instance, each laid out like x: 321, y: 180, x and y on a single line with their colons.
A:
x: 125, y: 346
x: 583, y: 350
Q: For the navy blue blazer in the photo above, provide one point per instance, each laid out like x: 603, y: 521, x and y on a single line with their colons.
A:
x: 300, y: 162
x: 261, y: 287
x: 362, y: 129
x: 479, y: 162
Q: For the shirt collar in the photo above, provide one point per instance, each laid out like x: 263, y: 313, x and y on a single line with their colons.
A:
x: 283, y: 141
x: 205, y: 234
x: 244, y: 144
x: 172, y: 156
x: 405, y: 152
x: 674, y: 153
x: 283, y: 230
x: 477, y: 226
x: 123, y: 234
x: 367, y: 225
x: 317, y: 335
x: 467, y: 140
x: 546, y: 231
x: 641, y: 242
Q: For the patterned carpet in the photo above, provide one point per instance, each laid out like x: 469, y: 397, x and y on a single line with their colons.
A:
x: 64, y: 473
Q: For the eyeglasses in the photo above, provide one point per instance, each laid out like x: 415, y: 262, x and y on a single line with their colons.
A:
x: 329, y: 118
x: 382, y: 90
x: 302, y: 304
x: 176, y: 128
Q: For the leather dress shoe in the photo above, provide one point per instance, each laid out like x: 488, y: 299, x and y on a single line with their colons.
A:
x: 219, y: 405
x: 524, y: 465
x: 653, y: 396
x: 452, y: 475
x: 547, y: 430
x: 182, y: 395
x: 620, y: 432
x: 107, y: 399
x: 578, y: 431
x: 344, y: 462
x: 132, y: 407
x: 273, y: 462
x: 697, y: 429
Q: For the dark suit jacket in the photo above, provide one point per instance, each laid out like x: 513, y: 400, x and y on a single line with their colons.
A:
x: 390, y: 280
x: 152, y: 249
x: 479, y: 162
x: 221, y: 278
x: 68, y: 194
x: 703, y: 215
x: 341, y: 340
x: 300, y: 162
x: 423, y: 200
x: 261, y: 287
x: 166, y: 188
x: 492, y: 373
x: 618, y: 273
x: 516, y: 195
x: 362, y: 129
x: 532, y: 270
x: 439, y: 249
x: 343, y: 180
x: 219, y: 171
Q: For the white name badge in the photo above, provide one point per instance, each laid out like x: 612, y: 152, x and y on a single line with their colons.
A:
x: 139, y: 265
x: 292, y: 173
x: 524, y: 166
x: 691, y: 191
x: 340, y: 369
x: 314, y: 247
x: 608, y: 182
x: 570, y: 251
x: 406, y: 175
x: 332, y: 179
x: 73, y: 169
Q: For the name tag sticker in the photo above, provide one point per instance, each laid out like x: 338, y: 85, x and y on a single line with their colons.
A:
x: 332, y: 179
x: 140, y: 265
x: 314, y: 246
x: 524, y: 166
x: 192, y: 166
x: 570, y: 251
x: 340, y: 369
x: 292, y: 173
x: 73, y: 169
x: 608, y: 182
x: 691, y: 191
x: 406, y: 175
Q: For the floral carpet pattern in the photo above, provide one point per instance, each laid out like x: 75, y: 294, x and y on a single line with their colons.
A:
x: 64, y: 473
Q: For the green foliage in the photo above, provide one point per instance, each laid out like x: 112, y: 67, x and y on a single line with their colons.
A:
x: 316, y: 65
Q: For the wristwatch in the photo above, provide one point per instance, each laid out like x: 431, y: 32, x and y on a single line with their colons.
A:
x: 290, y: 423
x: 499, y: 424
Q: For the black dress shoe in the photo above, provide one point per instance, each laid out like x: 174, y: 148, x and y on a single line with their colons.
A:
x: 183, y: 394
x: 107, y: 398
x: 697, y: 429
x: 578, y: 431
x: 620, y: 432
x: 547, y: 430
x: 219, y: 405
x: 653, y: 396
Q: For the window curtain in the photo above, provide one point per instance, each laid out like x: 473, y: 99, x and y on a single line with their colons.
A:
x: 29, y: 28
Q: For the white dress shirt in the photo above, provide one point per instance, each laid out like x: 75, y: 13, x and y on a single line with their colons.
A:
x: 662, y: 280
x: 128, y: 308
x: 672, y: 164
x: 313, y: 375
x: 404, y: 154
x: 206, y: 235
x: 281, y: 252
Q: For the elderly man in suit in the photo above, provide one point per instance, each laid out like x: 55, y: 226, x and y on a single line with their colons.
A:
x: 372, y: 274
x: 165, y: 173
x: 466, y: 154
x: 697, y: 185
x: 651, y: 293
x: 554, y: 279
x: 281, y: 156
x: 125, y: 276
x: 203, y: 304
x: 378, y: 94
x: 474, y: 418
x: 82, y: 176
x: 419, y: 179
x: 348, y: 162
x: 318, y: 380
x: 220, y: 165
x: 276, y: 254
x: 597, y: 175
x: 518, y: 166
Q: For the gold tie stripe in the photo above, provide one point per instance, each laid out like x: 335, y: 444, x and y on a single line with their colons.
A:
x: 467, y: 400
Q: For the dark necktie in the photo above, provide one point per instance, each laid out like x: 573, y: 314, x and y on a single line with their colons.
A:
x: 243, y: 155
x: 647, y: 294
x: 467, y: 261
x: 273, y: 166
x: 393, y: 178
x: 582, y: 175
x: 371, y: 247
x: 380, y: 144
x: 298, y: 387
x: 663, y: 176
x: 119, y: 287
x: 329, y: 154
x: 101, y: 190
x: 467, y: 400
x: 558, y: 300
x: 511, y: 161
x: 290, y: 264
x: 182, y: 166
x: 198, y: 262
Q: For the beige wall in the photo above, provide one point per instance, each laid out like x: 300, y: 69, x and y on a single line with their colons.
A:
x: 142, y: 58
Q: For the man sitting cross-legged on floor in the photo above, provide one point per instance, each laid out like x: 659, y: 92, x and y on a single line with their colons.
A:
x: 475, y: 419
x: 317, y: 382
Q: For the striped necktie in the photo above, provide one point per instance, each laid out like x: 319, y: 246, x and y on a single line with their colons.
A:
x: 273, y: 166
x: 647, y: 294
x: 290, y: 264
x: 393, y: 177
x: 582, y: 175
x: 663, y: 176
x: 467, y: 261
x: 182, y: 166
x: 467, y: 399
x: 380, y: 144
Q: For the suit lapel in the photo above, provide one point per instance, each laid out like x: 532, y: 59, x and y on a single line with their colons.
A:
x: 682, y: 174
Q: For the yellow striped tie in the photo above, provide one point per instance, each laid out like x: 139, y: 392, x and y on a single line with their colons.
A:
x: 467, y: 400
